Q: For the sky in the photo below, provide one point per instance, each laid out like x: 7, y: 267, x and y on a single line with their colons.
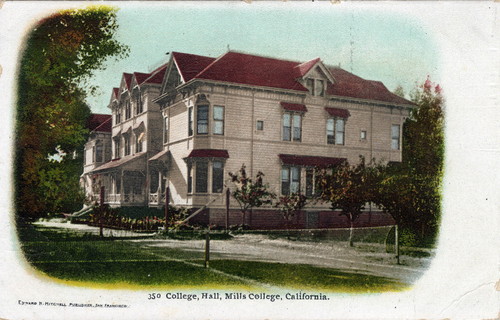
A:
x: 374, y: 44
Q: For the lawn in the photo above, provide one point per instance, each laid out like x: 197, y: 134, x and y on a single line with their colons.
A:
x: 82, y: 259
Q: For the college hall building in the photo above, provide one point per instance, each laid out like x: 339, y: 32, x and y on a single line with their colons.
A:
x: 194, y: 119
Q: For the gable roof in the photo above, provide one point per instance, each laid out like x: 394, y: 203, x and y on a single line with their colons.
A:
x: 99, y: 122
x: 189, y: 65
x: 304, y: 68
x: 248, y: 69
x: 350, y: 85
x: 156, y: 76
x: 116, y: 93
x: 141, y: 77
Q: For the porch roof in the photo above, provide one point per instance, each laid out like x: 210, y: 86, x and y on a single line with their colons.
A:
x: 309, y: 161
x: 159, y: 155
x: 115, y: 163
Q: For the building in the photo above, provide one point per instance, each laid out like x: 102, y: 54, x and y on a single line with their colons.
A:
x: 209, y: 116
x: 97, y: 151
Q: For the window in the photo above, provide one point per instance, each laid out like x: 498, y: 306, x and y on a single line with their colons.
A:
x: 138, y: 104
x: 319, y: 88
x: 138, y: 142
x: 118, y: 116
x: 362, y: 135
x: 190, y: 122
x: 165, y: 130
x: 126, y: 140
x: 290, y: 180
x: 310, y: 85
x: 395, y: 136
x: 260, y: 125
x: 202, y: 120
x: 217, y: 176
x: 218, y: 120
x: 310, y: 182
x: 117, y: 148
x: 189, y: 178
x: 335, y: 129
x: 316, y: 86
x: 99, y: 152
x: 127, y: 110
x: 292, y: 120
x: 201, y: 176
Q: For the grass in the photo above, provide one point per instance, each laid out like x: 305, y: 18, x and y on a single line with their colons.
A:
x: 83, y: 259
x: 306, y: 277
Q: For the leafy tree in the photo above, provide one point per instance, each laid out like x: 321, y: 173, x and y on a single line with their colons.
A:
x: 400, y: 91
x: 410, y: 191
x: 348, y: 188
x: 60, y: 55
x: 290, y: 204
x: 250, y: 194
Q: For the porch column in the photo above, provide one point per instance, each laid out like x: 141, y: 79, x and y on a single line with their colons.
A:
x: 122, y: 196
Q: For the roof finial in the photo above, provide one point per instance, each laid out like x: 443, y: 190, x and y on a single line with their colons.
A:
x: 228, y: 49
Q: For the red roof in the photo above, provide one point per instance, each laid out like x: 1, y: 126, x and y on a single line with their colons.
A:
x: 310, y: 161
x: 156, y: 76
x: 116, y: 92
x: 208, y: 153
x: 105, y: 126
x: 253, y: 70
x: 339, y: 113
x: 97, y: 120
x: 128, y: 79
x: 190, y: 64
x: 350, y: 85
x: 293, y: 106
x: 304, y: 68
x: 140, y: 77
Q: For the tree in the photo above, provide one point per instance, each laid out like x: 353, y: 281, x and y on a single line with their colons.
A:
x: 250, y: 194
x: 348, y: 188
x: 410, y: 191
x: 400, y: 91
x: 290, y: 204
x: 61, y: 54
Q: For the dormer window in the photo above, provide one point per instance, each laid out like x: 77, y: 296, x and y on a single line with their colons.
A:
x: 316, y: 86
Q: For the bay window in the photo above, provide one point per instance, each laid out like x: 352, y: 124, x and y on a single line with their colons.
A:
x: 202, y: 119
x: 218, y: 120
x: 190, y: 122
x: 201, y: 175
x: 217, y: 176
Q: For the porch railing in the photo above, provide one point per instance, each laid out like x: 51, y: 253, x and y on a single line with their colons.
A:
x: 157, y: 198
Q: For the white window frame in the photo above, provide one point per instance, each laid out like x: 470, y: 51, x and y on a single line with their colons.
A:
x: 396, y: 139
x: 218, y: 120
x: 293, y: 121
x: 335, y: 131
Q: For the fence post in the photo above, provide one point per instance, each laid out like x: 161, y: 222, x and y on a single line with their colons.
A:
x: 396, y: 243
x: 207, y: 248
x: 228, y: 197
x: 101, y: 209
x: 167, y: 201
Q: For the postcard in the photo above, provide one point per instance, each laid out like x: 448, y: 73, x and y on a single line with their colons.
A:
x: 249, y: 160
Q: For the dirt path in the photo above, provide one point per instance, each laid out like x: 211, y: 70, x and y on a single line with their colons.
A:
x: 363, y: 258
x: 332, y: 255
